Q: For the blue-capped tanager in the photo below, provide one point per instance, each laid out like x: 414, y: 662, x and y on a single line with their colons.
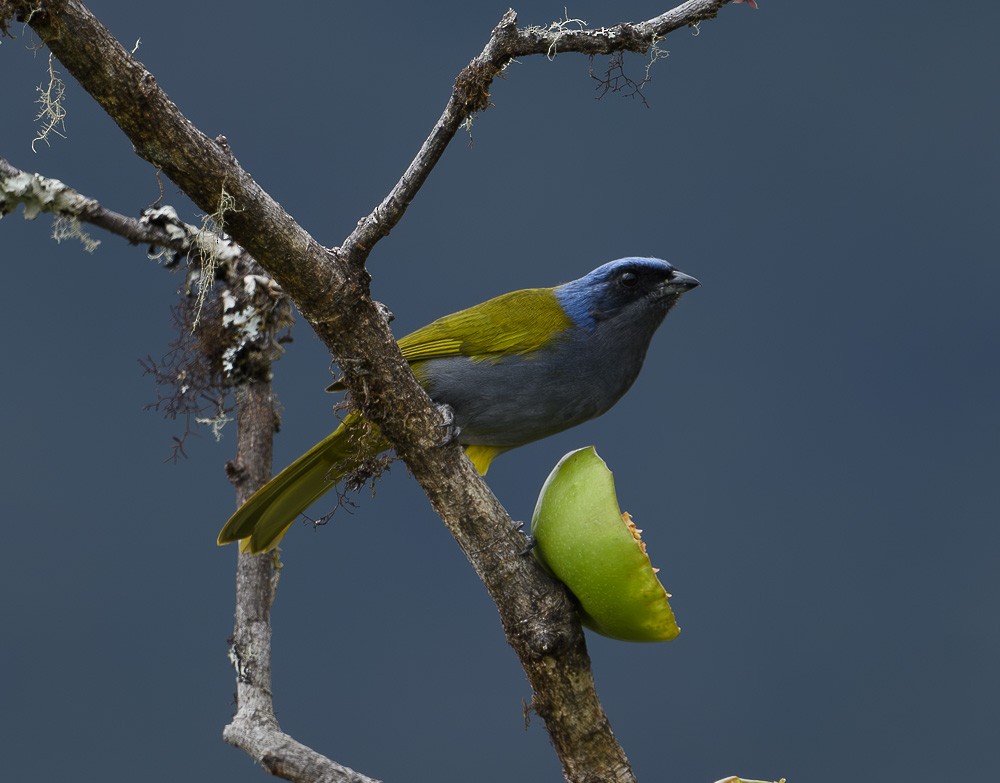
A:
x: 517, y: 368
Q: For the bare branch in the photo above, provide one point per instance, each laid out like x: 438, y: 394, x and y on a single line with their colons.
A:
x: 471, y: 95
x: 254, y: 728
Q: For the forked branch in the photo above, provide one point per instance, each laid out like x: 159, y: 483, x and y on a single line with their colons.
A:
x: 471, y: 94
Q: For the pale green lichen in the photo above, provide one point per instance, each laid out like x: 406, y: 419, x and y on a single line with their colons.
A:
x: 40, y: 194
x: 213, y: 248
x: 248, y: 321
x: 655, y: 53
x: 52, y: 114
x: 559, y: 27
x: 68, y: 227
x: 216, y: 423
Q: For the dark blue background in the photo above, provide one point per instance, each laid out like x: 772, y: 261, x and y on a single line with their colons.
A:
x: 812, y: 449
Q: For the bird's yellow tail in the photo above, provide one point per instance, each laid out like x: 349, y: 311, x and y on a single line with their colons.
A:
x: 260, y: 523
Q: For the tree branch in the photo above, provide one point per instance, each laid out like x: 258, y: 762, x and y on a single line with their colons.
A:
x: 254, y: 728
x: 471, y: 94
x: 157, y: 227
x: 331, y: 289
x: 42, y: 194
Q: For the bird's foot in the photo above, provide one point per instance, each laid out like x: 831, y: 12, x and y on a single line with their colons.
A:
x: 529, y: 540
x: 385, y: 312
x: 451, y: 429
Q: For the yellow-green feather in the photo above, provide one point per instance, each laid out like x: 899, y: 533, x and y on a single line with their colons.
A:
x: 481, y: 456
x: 260, y: 523
x: 496, y: 327
x: 489, y: 330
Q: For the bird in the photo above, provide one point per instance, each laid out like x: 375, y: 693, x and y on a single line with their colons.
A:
x: 514, y: 369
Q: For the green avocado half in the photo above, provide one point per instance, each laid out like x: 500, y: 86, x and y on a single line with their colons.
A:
x: 585, y: 540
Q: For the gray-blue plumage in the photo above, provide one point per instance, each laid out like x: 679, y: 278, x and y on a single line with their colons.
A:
x: 578, y: 375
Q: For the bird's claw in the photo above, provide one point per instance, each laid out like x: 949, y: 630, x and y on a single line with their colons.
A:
x: 529, y: 540
x: 451, y: 429
x: 385, y: 312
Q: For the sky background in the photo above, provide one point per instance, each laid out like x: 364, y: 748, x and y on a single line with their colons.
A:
x: 812, y: 449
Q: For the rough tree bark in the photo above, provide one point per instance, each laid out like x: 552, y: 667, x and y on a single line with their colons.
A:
x: 330, y: 286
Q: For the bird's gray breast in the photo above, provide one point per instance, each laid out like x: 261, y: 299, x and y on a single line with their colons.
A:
x: 518, y: 399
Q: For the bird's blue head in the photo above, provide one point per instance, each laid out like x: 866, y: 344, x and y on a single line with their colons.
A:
x: 630, y: 289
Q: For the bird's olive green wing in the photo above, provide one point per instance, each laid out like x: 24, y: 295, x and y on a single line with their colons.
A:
x: 512, y: 324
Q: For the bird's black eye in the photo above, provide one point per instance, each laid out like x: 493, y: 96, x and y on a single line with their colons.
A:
x: 628, y: 279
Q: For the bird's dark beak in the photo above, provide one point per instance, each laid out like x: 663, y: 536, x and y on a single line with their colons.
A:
x: 681, y: 282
